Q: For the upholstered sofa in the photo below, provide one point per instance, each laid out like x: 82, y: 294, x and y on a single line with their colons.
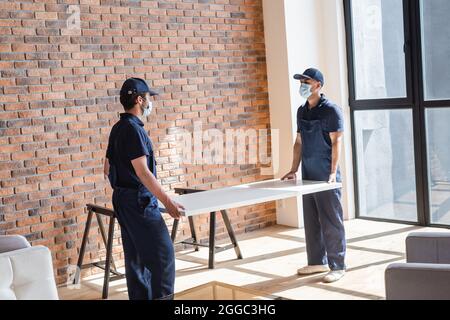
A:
x: 26, y: 273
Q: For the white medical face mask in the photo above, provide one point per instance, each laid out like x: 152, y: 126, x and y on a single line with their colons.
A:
x: 305, y: 90
x: 148, y: 109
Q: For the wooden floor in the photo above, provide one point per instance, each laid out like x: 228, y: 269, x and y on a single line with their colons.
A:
x: 271, y: 258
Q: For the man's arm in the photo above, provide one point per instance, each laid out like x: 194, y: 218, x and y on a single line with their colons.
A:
x: 149, y: 181
x: 298, y: 147
x: 106, y: 168
x: 336, y: 143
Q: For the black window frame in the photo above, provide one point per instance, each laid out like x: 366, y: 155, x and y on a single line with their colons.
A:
x: 414, y: 101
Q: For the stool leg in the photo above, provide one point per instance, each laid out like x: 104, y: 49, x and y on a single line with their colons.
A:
x: 174, y: 229
x: 230, y: 230
x: 193, y: 232
x: 83, y: 248
x: 105, y: 240
x: 108, y: 257
x: 212, y: 239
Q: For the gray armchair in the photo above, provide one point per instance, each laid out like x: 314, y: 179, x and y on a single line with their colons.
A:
x: 426, y: 275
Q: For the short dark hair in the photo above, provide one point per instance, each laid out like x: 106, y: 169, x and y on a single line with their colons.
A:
x: 128, y: 101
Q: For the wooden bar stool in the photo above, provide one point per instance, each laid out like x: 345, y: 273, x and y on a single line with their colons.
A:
x: 108, y: 242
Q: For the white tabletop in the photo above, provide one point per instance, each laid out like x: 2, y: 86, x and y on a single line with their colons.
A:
x: 249, y: 194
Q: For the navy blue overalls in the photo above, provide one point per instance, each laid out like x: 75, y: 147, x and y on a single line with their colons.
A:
x: 322, y: 212
x: 148, y: 249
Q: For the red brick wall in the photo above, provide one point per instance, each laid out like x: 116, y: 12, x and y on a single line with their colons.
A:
x: 58, y: 101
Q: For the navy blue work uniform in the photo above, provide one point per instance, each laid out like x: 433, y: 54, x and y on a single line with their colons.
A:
x: 322, y: 212
x: 148, y: 249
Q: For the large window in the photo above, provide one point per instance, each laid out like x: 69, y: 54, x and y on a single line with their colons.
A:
x: 436, y: 82
x: 438, y: 136
x: 399, y: 71
x: 378, y: 39
x: 386, y: 169
x: 436, y: 48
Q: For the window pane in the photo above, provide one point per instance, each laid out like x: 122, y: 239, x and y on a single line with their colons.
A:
x: 378, y: 40
x: 438, y: 134
x: 436, y: 48
x: 386, y: 167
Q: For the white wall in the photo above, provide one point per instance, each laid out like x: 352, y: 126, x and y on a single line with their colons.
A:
x: 281, y: 95
x: 301, y: 34
x: 336, y: 72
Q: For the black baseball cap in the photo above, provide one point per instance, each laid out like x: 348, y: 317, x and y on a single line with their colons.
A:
x: 311, y: 73
x: 136, y: 85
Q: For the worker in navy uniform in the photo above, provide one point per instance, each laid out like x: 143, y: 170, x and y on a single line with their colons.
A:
x: 131, y: 169
x: 318, y: 147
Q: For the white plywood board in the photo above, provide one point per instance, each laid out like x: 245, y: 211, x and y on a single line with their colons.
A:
x: 249, y: 194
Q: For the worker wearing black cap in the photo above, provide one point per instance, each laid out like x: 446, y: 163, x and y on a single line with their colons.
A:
x: 319, y: 138
x: 131, y: 169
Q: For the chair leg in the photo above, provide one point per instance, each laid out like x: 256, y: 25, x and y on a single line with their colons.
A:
x: 83, y: 248
x: 108, y: 257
